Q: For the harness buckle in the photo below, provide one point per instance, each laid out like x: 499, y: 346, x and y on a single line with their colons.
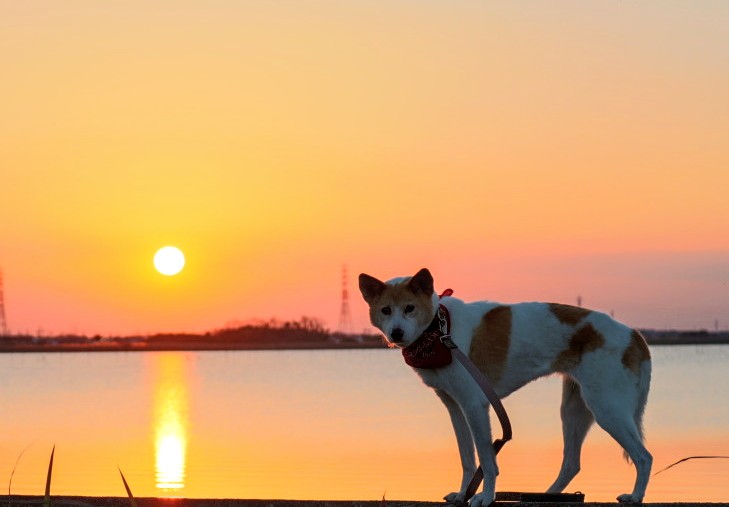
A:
x: 448, y: 342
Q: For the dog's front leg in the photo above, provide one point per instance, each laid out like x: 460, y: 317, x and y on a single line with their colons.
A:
x: 478, y: 420
x: 465, y: 445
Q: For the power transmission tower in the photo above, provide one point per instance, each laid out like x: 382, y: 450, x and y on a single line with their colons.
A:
x: 3, y: 323
x: 345, y: 316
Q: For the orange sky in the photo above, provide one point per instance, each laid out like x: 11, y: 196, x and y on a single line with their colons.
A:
x: 521, y: 151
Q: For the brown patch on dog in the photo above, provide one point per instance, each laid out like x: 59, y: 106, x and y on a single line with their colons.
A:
x: 490, y: 343
x: 636, y: 352
x: 567, y: 314
x: 585, y: 340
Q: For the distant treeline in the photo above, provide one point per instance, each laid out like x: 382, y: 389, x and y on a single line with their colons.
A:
x: 678, y: 337
x: 305, y: 333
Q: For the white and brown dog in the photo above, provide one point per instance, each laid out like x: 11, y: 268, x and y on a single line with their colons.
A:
x: 605, y: 365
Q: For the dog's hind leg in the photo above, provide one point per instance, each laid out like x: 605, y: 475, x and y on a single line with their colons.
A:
x: 576, y: 422
x: 465, y: 445
x: 619, y: 419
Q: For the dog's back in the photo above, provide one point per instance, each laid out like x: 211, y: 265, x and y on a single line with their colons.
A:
x: 516, y: 343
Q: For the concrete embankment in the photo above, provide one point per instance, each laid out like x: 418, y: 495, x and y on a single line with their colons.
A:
x: 95, y: 501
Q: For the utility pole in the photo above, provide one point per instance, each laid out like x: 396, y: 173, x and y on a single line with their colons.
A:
x: 3, y: 322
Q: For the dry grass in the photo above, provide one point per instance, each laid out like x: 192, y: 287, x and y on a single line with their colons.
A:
x: 47, y: 501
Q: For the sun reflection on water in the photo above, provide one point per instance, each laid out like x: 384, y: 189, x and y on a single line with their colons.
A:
x: 170, y: 422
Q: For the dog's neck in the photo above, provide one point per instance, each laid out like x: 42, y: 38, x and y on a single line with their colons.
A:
x: 428, y: 351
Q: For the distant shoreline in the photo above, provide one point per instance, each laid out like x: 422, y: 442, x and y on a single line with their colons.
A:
x: 269, y: 338
x: 151, y: 346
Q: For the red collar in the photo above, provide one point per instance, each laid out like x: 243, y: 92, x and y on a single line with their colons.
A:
x: 428, y: 351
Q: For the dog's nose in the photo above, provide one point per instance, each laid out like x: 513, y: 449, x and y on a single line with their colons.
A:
x: 397, y: 334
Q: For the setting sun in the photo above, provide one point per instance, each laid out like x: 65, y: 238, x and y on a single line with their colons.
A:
x: 169, y: 260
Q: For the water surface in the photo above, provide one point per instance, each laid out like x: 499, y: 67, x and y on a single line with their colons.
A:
x: 349, y: 424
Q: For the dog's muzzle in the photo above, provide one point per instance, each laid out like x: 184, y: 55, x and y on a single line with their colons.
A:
x: 397, y: 335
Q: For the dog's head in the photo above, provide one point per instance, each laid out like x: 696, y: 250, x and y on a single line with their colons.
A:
x: 401, y: 308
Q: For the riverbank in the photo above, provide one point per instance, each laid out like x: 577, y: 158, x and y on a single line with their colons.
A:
x: 305, y: 333
x: 269, y: 339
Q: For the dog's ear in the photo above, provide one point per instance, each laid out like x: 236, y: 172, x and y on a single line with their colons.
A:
x: 422, y: 282
x: 370, y: 287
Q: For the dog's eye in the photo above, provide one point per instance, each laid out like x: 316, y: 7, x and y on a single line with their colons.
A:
x: 409, y: 308
x: 386, y: 310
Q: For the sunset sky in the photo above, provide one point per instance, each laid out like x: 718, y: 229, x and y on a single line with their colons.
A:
x: 520, y: 150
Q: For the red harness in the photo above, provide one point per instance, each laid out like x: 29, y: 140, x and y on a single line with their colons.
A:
x: 429, y: 351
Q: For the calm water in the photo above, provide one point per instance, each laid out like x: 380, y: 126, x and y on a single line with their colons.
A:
x: 323, y: 425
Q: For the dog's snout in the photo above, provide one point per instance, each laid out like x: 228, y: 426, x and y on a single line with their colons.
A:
x: 397, y: 334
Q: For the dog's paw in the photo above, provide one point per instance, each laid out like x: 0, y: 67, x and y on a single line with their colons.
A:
x: 454, y: 497
x: 482, y: 500
x: 628, y: 498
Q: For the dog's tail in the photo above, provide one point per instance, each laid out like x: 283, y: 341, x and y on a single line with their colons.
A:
x: 644, y: 384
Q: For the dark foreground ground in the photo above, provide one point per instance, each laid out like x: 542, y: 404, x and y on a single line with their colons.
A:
x: 88, y: 501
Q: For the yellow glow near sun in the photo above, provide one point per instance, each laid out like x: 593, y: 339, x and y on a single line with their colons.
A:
x: 169, y: 260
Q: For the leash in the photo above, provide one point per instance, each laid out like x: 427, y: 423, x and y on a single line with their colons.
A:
x: 495, y: 402
x: 487, y: 389
x: 436, y: 349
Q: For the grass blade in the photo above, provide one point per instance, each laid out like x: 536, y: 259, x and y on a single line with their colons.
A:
x: 47, y: 498
x: 129, y: 491
x: 690, y: 457
x: 10, y: 482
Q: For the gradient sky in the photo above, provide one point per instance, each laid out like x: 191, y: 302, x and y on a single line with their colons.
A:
x: 520, y: 150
